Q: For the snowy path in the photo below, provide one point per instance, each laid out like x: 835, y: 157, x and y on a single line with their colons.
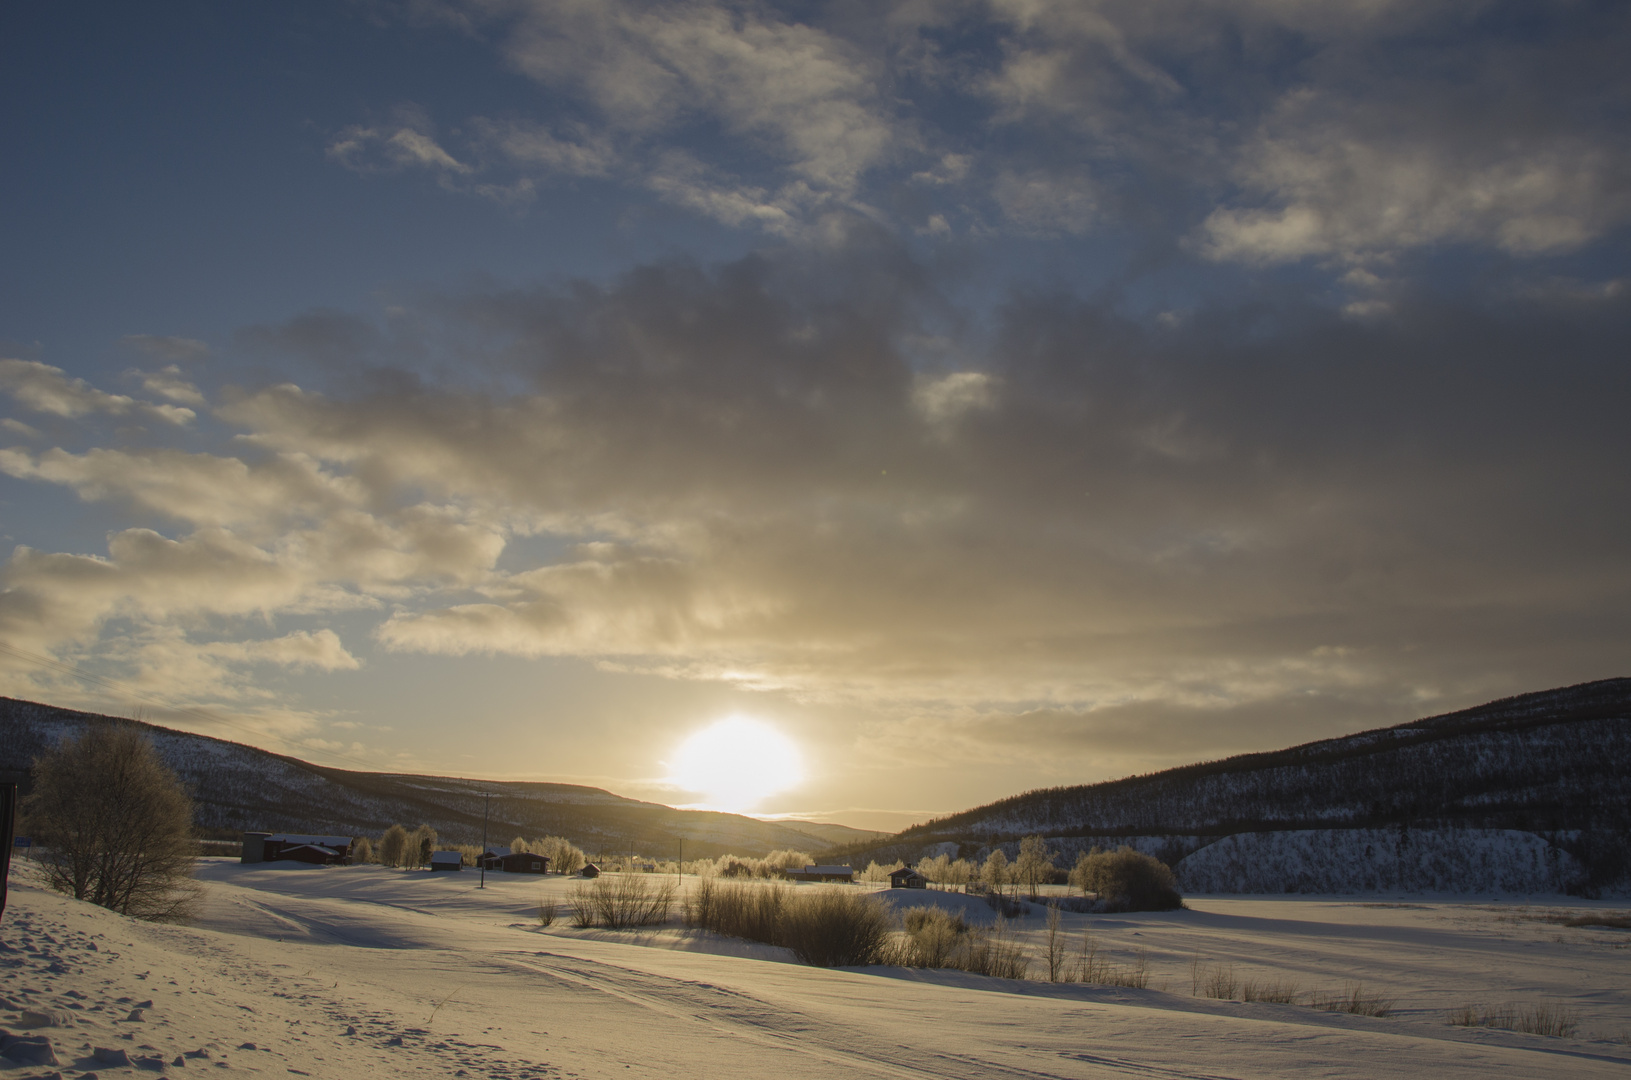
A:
x: 383, y: 974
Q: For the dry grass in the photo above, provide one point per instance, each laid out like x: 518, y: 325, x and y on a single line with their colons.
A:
x: 1270, y: 991
x: 1553, y: 1021
x: 1352, y: 1000
x: 1213, y: 981
x: 1090, y: 968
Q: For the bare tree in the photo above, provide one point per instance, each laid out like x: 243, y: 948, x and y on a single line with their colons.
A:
x: 393, y: 846
x: 115, y: 824
x: 1034, y: 865
x: 1056, y: 944
x: 995, y: 871
x: 420, y: 845
x: 564, y: 856
x: 362, y: 851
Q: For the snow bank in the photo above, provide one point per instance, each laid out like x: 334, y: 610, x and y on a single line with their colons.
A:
x: 1379, y: 860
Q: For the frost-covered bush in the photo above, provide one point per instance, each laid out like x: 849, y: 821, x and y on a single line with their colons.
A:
x: 362, y: 851
x: 824, y: 927
x: 1127, y: 880
x: 933, y: 938
x: 836, y: 927
x: 616, y: 902
x: 741, y: 910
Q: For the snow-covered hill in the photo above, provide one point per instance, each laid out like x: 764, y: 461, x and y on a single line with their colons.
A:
x: 1527, y: 794
x: 1348, y: 861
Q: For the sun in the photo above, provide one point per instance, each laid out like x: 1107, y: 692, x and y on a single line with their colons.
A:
x: 736, y: 763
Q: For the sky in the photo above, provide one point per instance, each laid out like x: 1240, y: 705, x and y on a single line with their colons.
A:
x: 925, y: 401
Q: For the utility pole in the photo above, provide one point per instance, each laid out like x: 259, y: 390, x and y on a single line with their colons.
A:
x: 486, y: 806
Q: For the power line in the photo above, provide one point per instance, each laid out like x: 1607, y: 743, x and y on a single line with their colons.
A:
x: 121, y: 690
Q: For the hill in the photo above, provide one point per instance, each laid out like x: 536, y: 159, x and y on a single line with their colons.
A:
x: 237, y: 787
x: 1555, y: 763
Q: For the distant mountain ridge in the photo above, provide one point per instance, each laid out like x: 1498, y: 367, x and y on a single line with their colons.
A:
x: 1556, y: 763
x: 237, y: 787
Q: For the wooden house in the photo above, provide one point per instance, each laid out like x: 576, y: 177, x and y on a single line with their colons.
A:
x: 524, y: 862
x: 589, y: 870
x: 281, y: 847
x: 907, y: 878
x: 446, y: 860
x: 490, y: 858
x: 822, y: 873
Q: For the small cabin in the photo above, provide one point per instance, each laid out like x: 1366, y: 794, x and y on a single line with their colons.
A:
x: 589, y: 870
x: 446, y: 860
x: 521, y: 862
x: 907, y: 878
x: 822, y: 873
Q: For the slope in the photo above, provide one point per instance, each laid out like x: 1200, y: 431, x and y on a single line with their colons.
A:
x: 238, y: 787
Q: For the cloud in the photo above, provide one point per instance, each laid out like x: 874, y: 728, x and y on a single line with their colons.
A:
x: 1046, y: 203
x: 50, y: 390
x: 1352, y: 180
x: 172, y: 350
x: 536, y: 146
x: 804, y: 95
x: 169, y: 383
x: 389, y: 149
x: 801, y: 472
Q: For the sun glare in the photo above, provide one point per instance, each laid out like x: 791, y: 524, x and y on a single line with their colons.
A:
x: 736, y: 763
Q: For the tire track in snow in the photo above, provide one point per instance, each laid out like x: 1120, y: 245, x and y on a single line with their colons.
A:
x: 741, y: 1015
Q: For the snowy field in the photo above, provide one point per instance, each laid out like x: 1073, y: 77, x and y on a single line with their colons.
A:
x: 367, y: 972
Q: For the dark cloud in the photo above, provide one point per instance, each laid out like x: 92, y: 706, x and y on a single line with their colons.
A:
x: 1091, y: 508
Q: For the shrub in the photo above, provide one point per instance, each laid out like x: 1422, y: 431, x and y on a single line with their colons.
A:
x: 1128, y: 880
x: 362, y: 851
x: 548, y: 912
x: 836, y: 927
x: 992, y: 952
x: 933, y: 938
x: 824, y: 927
x: 746, y: 911
x: 1003, y: 906
x: 115, y: 824
x: 621, y: 901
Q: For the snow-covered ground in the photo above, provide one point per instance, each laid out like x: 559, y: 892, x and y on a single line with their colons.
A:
x: 366, y: 972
